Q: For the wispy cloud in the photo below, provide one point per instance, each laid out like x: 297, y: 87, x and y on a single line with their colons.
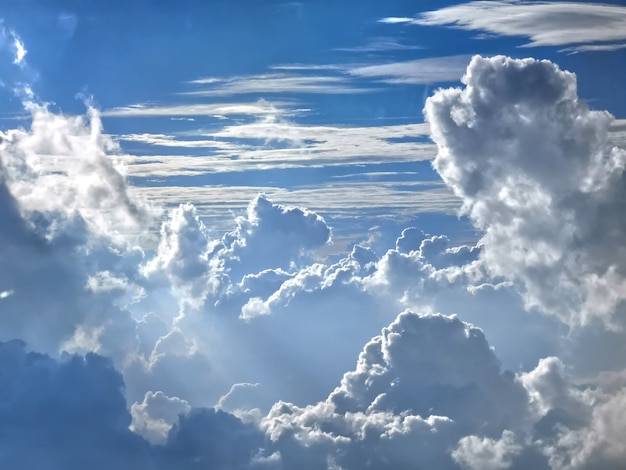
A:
x: 259, y: 107
x: 594, y: 48
x: 396, y: 20
x: 20, y: 51
x: 380, y: 45
x: 270, y: 144
x: 336, y: 78
x: 276, y: 83
x: 545, y: 23
x: 165, y: 140
x: 307, y: 67
x: 420, y: 71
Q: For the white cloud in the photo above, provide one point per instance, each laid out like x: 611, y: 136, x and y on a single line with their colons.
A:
x: 349, y: 202
x: 416, y: 72
x: 594, y: 48
x: 380, y: 45
x: 285, y: 144
x: 426, y: 380
x: 20, y: 51
x: 395, y: 20
x: 93, y: 185
x: 276, y: 83
x: 183, y: 256
x: 154, y: 417
x: 260, y: 107
x: 476, y: 453
x: 501, y: 140
x: 545, y: 23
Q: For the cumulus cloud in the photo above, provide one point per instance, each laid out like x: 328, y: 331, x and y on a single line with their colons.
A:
x: 155, y: 415
x: 486, y: 454
x: 272, y: 236
x: 537, y: 173
x: 61, y: 235
x: 183, y: 256
x: 427, y: 392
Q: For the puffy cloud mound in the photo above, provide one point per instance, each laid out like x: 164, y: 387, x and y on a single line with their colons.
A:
x: 66, y: 216
x: 183, y: 256
x: 425, y: 382
x: 272, y: 236
x: 537, y: 173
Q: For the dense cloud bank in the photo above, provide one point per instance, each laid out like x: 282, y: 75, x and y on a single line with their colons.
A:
x: 136, y: 338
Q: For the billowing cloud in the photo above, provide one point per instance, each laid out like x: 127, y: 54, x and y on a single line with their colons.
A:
x: 537, y: 173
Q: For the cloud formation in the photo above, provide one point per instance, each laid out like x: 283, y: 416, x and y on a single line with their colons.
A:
x: 537, y: 173
x: 146, y: 331
x: 545, y: 23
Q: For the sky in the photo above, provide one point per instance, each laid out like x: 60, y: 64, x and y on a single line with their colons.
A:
x: 312, y: 235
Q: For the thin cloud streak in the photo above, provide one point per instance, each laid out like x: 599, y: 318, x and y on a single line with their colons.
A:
x: 594, y: 48
x: 381, y: 45
x: 416, y: 72
x: 276, y: 83
x: 256, y: 108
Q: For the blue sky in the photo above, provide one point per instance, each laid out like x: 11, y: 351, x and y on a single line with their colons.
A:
x: 326, y: 235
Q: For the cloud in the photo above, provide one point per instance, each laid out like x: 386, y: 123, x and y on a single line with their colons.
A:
x: 501, y: 140
x: 395, y: 20
x: 20, y: 51
x: 93, y: 186
x: 86, y: 273
x: 415, y: 72
x: 272, y: 236
x: 154, y: 417
x: 61, y: 233
x: 545, y: 23
x: 380, y: 45
x: 594, y: 48
x: 260, y: 107
x: 71, y: 413
x: 64, y: 414
x: 276, y: 83
x: 485, y: 453
x: 276, y: 143
x: 423, y: 383
x: 183, y: 256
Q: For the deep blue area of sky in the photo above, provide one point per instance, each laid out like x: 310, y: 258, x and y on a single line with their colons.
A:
x: 123, y: 52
